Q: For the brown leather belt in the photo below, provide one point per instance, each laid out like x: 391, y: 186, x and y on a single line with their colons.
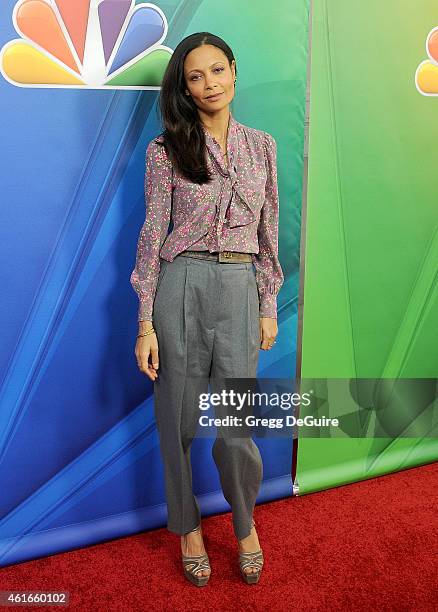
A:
x: 222, y: 257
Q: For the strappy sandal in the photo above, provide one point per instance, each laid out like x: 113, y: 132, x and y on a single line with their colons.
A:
x: 192, y: 565
x: 254, y: 560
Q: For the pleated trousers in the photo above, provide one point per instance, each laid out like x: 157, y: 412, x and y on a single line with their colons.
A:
x: 206, y: 318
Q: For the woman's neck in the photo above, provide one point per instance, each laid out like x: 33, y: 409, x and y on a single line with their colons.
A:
x: 217, y: 125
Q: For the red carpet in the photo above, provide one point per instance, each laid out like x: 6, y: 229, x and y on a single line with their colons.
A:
x: 365, y: 546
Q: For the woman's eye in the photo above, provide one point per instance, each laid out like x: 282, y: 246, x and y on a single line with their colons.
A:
x: 220, y: 68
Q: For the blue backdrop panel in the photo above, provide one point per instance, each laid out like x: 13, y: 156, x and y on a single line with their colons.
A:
x: 79, y: 454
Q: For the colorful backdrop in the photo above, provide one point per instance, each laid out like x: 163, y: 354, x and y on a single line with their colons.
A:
x: 79, y: 455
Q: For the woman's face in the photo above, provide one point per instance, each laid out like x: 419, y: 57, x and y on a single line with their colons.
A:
x: 207, y: 72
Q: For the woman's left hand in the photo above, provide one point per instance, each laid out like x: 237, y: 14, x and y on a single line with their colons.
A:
x: 268, y: 332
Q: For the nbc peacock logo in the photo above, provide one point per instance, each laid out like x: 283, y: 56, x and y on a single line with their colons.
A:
x: 426, y: 75
x: 97, y: 44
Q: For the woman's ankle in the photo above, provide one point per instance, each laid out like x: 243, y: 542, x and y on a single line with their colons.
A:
x: 192, y: 543
x: 251, y: 542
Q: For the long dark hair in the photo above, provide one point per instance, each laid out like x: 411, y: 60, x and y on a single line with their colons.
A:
x: 183, y: 136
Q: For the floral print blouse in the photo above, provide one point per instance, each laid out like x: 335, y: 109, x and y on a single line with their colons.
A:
x: 237, y: 211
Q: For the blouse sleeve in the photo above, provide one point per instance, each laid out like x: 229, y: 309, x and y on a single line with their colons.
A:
x: 158, y: 195
x: 269, y: 275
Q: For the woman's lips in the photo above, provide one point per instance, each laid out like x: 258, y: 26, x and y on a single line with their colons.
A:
x: 213, y: 98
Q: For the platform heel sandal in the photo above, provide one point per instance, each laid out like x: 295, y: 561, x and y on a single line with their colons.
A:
x: 192, y: 565
x: 254, y: 560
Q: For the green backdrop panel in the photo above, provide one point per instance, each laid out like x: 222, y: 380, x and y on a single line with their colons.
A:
x: 371, y: 239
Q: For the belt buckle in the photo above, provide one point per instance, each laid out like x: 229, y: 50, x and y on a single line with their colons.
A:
x: 225, y: 256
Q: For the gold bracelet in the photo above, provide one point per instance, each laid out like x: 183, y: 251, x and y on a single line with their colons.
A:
x: 150, y: 331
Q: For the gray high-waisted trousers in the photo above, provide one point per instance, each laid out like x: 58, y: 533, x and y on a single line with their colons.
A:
x: 206, y: 318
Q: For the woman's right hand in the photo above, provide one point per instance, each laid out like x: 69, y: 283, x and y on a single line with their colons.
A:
x: 147, y: 348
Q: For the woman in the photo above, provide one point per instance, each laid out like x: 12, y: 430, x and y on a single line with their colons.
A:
x: 208, y: 288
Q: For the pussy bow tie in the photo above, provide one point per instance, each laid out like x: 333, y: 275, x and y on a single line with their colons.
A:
x: 242, y: 203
